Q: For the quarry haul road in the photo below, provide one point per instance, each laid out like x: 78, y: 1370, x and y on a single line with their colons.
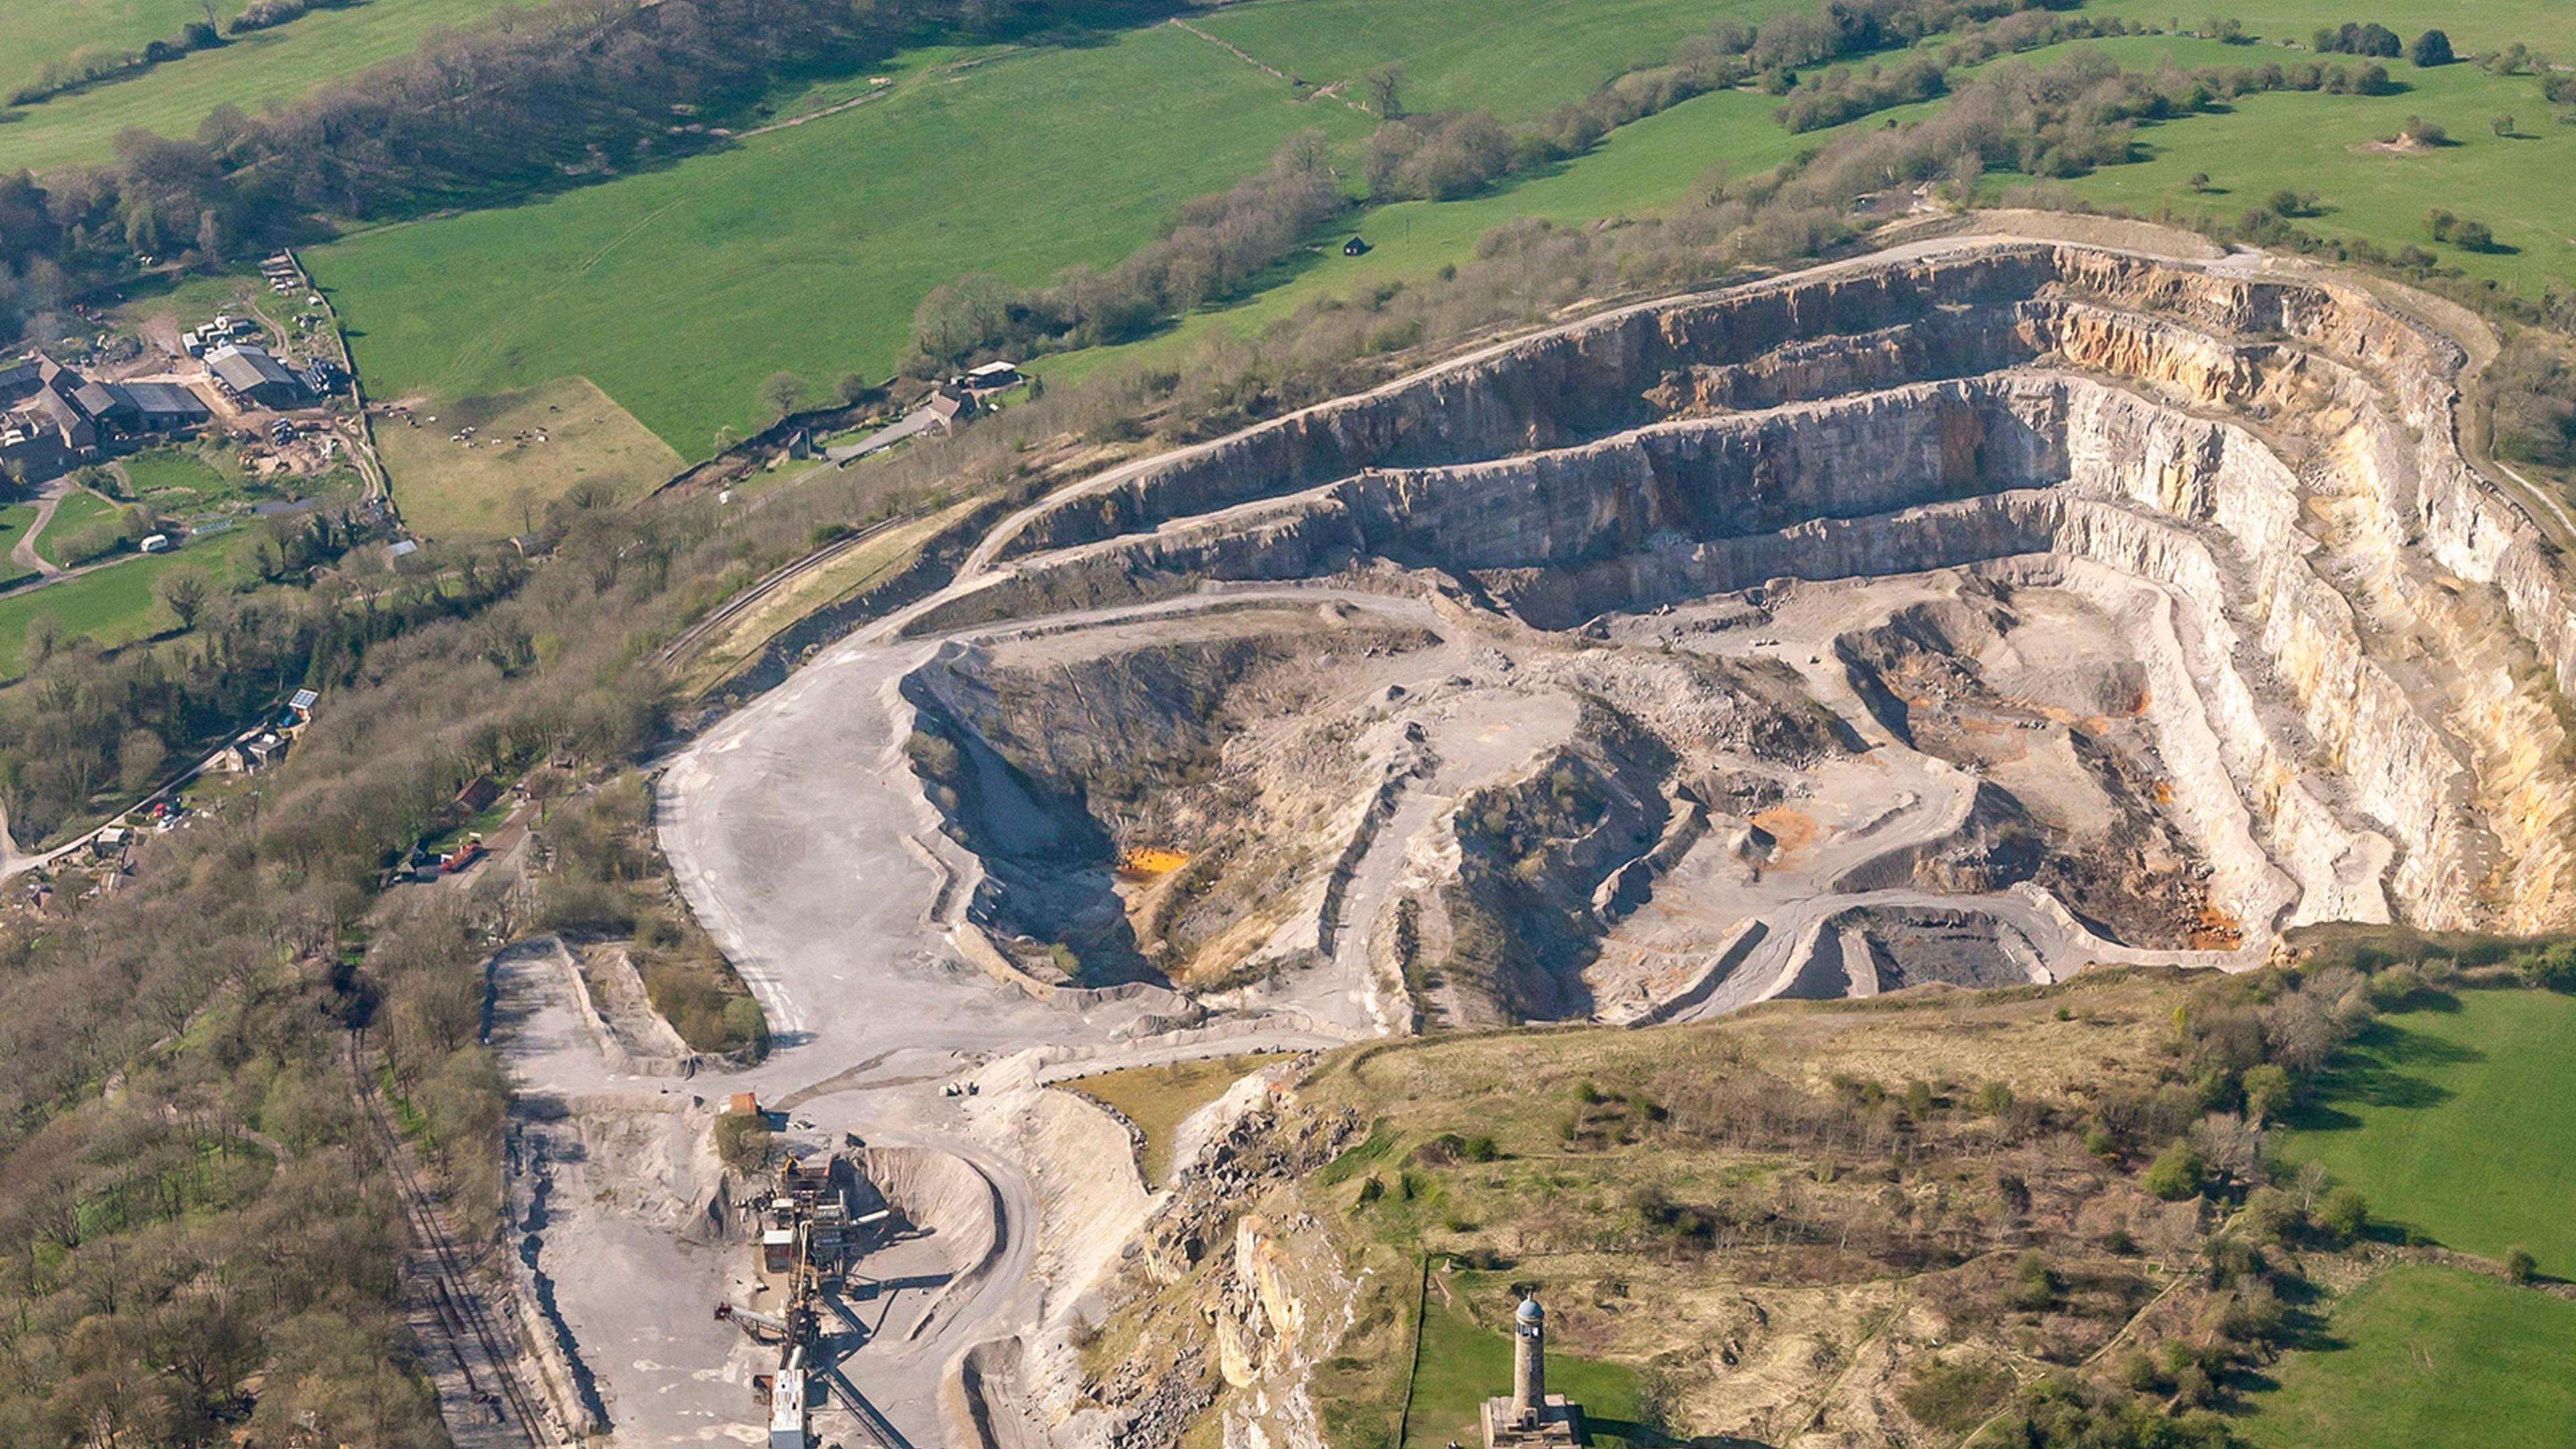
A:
x: 830, y: 916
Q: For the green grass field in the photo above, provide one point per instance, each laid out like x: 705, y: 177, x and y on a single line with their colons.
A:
x: 2473, y: 25
x: 117, y: 604
x: 1461, y: 1365
x: 498, y: 482
x: 1515, y: 59
x: 2449, y: 1122
x: 32, y: 34
x: 2524, y: 185
x: 2428, y: 1358
x: 178, y: 481
x: 808, y: 248
x: 75, y: 518
x: 1641, y: 170
x: 277, y: 64
x: 677, y: 291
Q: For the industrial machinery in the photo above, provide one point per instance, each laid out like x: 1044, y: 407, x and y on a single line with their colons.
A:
x: 806, y: 1241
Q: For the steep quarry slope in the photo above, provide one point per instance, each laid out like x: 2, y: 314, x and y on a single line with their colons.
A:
x: 1973, y: 616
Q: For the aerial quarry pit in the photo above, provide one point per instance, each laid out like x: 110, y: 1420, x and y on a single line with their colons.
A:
x: 1972, y: 612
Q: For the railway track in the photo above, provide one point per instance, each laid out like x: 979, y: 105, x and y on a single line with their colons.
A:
x: 770, y: 583
x: 459, y: 1309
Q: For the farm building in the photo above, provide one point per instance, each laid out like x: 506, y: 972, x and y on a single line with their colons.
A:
x: 164, y: 407
x: 254, y: 376
x: 54, y: 414
x: 947, y: 405
x: 140, y: 407
x: 254, y: 750
x: 99, y: 402
x: 19, y: 379
x: 992, y: 377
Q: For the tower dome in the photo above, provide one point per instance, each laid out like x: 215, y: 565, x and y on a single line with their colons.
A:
x: 1529, y: 1311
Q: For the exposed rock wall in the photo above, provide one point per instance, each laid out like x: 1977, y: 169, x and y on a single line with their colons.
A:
x: 2355, y: 644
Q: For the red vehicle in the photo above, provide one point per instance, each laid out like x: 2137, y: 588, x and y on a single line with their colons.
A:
x: 461, y: 857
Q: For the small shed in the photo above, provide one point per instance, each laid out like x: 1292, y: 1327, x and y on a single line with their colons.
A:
x: 1355, y: 248
x: 478, y: 795
x: 778, y: 1249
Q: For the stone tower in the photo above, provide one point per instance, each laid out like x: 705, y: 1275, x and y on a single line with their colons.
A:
x: 1531, y: 1418
x: 1529, y: 1363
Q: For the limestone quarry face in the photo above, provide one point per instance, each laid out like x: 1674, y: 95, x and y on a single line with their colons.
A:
x: 1973, y: 617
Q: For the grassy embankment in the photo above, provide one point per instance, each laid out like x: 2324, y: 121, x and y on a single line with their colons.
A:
x: 732, y: 645
x: 1629, y: 1175
x: 1556, y: 1155
x: 1157, y: 1098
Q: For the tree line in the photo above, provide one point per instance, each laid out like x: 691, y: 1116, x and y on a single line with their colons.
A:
x: 1217, y: 245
